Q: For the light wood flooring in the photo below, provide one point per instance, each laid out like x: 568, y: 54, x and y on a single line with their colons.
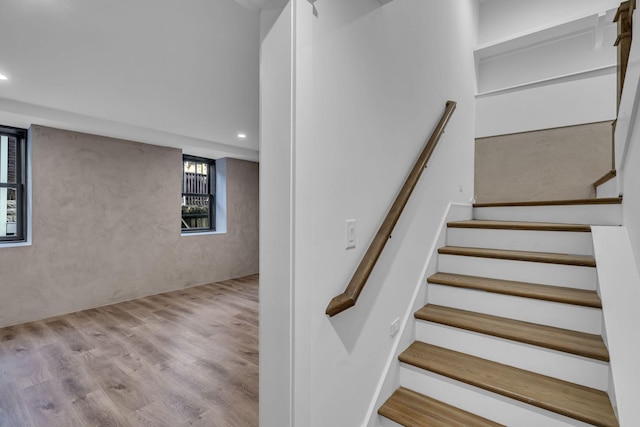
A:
x: 184, y: 358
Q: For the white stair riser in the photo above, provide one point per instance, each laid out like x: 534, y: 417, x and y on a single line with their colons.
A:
x: 567, y: 367
x: 534, y: 272
x: 572, y: 214
x: 481, y: 402
x: 565, y: 242
x: 566, y: 316
x: 386, y: 422
x: 608, y: 189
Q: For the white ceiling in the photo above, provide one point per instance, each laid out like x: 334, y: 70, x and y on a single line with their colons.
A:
x: 173, y: 72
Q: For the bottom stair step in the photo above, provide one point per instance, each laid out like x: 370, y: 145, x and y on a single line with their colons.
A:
x: 572, y: 400
x: 412, y: 409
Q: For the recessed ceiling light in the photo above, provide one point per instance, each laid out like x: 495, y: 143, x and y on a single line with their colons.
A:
x: 3, y: 77
x: 242, y: 135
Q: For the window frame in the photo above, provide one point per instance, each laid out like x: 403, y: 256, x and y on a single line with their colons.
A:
x: 210, y: 192
x: 20, y: 185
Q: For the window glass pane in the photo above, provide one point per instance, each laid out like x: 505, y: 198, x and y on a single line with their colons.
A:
x: 195, y: 212
x: 195, y: 178
x: 8, y: 212
x: 8, y: 158
x: 202, y: 180
x: 189, y: 166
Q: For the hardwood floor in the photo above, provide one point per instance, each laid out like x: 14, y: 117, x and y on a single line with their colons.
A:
x: 184, y: 358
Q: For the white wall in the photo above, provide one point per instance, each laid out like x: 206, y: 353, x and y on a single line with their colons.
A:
x: 269, y: 14
x: 275, y: 222
x: 370, y: 84
x: 565, y: 55
x: 627, y: 132
x: 547, y: 106
x: 628, y: 165
x: 504, y: 18
x: 627, y: 150
x: 619, y: 288
x: 544, y: 64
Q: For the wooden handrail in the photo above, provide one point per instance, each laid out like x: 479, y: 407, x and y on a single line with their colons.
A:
x: 350, y: 295
x: 623, y: 17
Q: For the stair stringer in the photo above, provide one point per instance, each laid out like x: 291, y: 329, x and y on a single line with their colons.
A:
x: 390, y: 378
x: 619, y: 289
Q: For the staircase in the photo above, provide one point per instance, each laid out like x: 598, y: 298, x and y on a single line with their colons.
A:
x: 512, y: 331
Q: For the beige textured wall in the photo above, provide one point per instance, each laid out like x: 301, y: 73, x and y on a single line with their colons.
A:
x: 551, y: 164
x: 106, y: 228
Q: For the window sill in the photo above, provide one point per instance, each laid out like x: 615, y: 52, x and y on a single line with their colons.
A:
x: 14, y: 244
x: 203, y: 233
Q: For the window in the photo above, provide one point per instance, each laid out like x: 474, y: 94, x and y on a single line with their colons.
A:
x: 13, y: 184
x: 198, y: 194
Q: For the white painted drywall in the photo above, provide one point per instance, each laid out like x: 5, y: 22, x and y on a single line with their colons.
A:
x: 571, y: 54
x: 269, y: 14
x: 629, y: 173
x: 370, y: 84
x: 619, y: 286
x: 627, y: 150
x: 567, y: 103
x: 500, y: 19
x: 544, y: 64
x: 276, y: 223
x: 627, y: 134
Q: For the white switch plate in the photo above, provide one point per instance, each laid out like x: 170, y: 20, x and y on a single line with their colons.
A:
x: 395, y: 327
x: 350, y: 233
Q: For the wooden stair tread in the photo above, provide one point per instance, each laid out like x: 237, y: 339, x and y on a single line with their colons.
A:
x: 521, y: 289
x: 579, y: 343
x: 411, y: 409
x: 545, y: 257
x: 601, y: 201
x: 519, y: 225
x: 572, y: 400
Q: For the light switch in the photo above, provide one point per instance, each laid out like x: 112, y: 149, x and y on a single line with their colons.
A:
x: 395, y: 327
x: 350, y: 233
